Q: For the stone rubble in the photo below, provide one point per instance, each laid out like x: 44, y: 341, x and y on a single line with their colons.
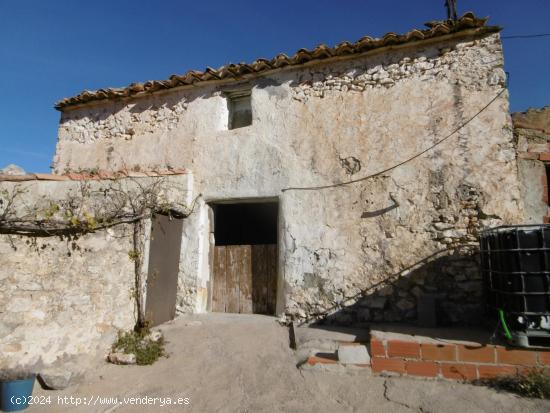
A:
x: 117, y: 357
x: 56, y: 378
x: 12, y: 169
x: 390, y: 72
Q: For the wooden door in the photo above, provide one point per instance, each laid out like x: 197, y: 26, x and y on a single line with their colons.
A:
x: 245, y: 279
x: 162, y: 274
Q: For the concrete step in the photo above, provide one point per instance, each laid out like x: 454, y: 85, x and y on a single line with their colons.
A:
x: 322, y: 347
x: 329, y: 361
x: 327, y: 337
x: 353, y: 353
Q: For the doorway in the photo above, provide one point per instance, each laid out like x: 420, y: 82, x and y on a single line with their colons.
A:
x: 163, y: 268
x: 244, y: 273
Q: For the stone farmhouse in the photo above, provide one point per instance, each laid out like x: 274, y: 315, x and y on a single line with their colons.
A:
x: 342, y: 184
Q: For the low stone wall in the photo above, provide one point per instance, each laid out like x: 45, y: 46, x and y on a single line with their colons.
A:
x: 64, y: 296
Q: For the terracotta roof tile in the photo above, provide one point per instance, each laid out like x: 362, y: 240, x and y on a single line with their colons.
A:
x: 17, y: 178
x: 103, y: 174
x: 50, y: 177
x: 136, y: 174
x: 237, y: 71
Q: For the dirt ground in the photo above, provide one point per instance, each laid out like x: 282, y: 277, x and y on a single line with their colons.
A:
x: 238, y: 363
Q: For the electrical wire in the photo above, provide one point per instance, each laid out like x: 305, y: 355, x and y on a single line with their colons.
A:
x: 525, y: 36
x: 419, y: 154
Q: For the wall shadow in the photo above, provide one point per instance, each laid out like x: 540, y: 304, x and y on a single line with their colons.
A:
x: 439, y: 296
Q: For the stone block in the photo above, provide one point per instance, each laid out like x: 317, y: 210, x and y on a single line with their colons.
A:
x: 121, y: 358
x: 426, y: 310
x: 155, y: 336
x: 55, y: 378
x: 405, y: 305
x: 377, y: 302
x: 353, y: 354
x: 363, y: 314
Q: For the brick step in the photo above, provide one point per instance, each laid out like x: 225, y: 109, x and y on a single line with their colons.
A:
x: 328, y: 360
x: 322, y: 358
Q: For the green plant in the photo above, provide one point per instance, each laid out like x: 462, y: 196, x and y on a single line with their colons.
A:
x: 139, y: 342
x: 133, y: 255
x: 535, y: 384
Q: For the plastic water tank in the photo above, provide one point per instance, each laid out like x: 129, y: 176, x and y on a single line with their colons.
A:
x: 515, y: 264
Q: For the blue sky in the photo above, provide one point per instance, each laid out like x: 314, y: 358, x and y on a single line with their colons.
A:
x: 57, y: 48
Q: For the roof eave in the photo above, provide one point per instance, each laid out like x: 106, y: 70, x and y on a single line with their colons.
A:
x: 210, y: 76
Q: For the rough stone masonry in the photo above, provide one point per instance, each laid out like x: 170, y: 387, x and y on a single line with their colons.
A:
x: 354, y: 253
x: 64, y: 296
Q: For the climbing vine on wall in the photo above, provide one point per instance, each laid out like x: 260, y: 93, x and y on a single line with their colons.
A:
x: 91, y: 206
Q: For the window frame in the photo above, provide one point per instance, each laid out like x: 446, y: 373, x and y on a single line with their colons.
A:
x: 234, y: 96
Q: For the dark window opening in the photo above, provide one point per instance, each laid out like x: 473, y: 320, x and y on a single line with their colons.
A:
x: 240, y: 109
x: 245, y: 223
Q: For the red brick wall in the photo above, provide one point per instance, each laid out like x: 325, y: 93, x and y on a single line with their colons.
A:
x: 452, y: 361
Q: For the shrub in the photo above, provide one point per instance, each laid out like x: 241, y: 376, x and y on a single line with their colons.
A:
x: 534, y: 384
x: 139, y: 342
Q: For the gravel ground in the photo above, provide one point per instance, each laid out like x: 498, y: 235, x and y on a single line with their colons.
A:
x: 241, y: 363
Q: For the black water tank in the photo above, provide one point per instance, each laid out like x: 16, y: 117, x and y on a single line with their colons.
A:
x: 515, y: 263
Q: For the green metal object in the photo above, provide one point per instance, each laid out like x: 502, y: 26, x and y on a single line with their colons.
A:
x: 504, y: 325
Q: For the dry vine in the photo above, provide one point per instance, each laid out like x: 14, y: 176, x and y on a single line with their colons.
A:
x: 87, y: 210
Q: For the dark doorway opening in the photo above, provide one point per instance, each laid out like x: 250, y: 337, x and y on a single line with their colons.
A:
x: 245, y: 257
x: 246, y: 223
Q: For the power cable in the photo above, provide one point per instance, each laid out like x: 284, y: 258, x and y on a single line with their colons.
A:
x: 525, y: 36
x: 439, y: 142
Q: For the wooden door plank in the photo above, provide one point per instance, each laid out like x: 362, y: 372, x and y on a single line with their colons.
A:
x: 259, y: 279
x: 245, y: 280
x: 219, y: 295
x: 271, y: 270
x: 234, y: 253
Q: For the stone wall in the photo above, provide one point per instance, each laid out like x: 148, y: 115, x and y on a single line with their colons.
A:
x: 358, y: 252
x: 532, y: 134
x: 64, y: 297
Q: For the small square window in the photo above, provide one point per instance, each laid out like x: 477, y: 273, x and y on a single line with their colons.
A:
x: 240, y: 109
